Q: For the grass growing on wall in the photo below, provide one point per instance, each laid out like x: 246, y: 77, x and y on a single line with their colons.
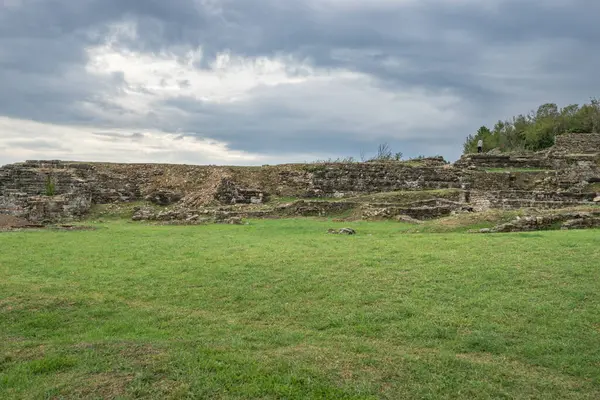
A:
x: 50, y: 186
x: 593, y: 187
x: 280, y: 309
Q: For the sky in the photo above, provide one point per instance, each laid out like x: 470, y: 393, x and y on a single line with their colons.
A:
x: 253, y: 82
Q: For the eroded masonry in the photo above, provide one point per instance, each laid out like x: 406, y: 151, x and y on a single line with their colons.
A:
x: 568, y: 174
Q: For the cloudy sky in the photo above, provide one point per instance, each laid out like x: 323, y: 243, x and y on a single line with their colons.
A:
x: 270, y: 81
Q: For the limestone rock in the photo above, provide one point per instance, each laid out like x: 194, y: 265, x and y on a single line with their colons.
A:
x: 565, y: 220
x: 164, y: 197
x: 232, y: 221
x: 581, y: 223
x: 409, y: 219
x: 229, y: 192
x: 343, y: 231
x: 143, y: 214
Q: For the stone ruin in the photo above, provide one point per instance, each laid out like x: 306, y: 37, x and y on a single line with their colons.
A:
x: 565, y: 175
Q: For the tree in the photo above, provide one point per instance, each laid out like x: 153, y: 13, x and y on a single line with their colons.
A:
x: 483, y: 133
x: 384, y: 152
x: 538, y: 129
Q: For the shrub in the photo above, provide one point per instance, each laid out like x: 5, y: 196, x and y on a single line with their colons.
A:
x: 50, y: 186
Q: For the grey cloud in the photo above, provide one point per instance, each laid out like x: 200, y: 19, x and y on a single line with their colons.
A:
x: 33, y: 144
x: 113, y: 136
x: 472, y: 50
x: 289, y: 128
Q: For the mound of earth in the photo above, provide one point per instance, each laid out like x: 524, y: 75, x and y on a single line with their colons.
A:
x: 74, y: 228
x: 9, y: 221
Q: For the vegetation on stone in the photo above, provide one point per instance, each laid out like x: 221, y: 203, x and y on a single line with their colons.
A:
x: 564, y: 176
x: 50, y: 186
x: 537, y: 130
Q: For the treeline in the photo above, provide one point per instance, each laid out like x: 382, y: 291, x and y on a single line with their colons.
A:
x: 537, y: 130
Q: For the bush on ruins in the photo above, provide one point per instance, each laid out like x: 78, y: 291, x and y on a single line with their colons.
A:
x: 537, y: 130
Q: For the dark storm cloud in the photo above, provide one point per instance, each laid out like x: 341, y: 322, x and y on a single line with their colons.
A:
x: 471, y: 49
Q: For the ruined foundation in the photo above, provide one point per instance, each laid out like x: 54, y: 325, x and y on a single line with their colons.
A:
x: 566, y: 175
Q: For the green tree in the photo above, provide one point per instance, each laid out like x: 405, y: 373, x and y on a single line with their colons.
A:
x: 483, y: 133
x: 537, y: 129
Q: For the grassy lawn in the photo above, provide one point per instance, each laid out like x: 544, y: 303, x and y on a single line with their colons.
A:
x: 280, y: 309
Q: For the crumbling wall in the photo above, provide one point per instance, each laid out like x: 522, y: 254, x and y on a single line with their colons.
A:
x: 25, y: 192
x: 358, y: 178
x: 577, y: 143
x: 490, y: 181
x: 569, y: 149
x: 504, y: 161
x: 482, y: 200
x: 44, y: 191
x: 37, y: 178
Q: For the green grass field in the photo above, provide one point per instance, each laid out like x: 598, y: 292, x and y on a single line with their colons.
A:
x: 279, y: 309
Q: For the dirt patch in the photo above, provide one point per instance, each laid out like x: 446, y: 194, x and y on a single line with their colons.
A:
x: 10, y: 222
x: 103, y: 386
x: 73, y: 228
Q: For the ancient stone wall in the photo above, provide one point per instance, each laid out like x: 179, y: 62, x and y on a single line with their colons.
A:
x: 37, y: 178
x: 570, y: 149
x: 514, y: 199
x: 490, y: 181
x: 24, y: 187
x: 502, y: 161
x: 43, y: 191
x: 329, y: 180
x: 577, y: 143
x: 52, y: 190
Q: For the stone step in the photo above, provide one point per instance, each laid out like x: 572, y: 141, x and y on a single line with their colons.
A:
x: 539, y: 195
x: 526, y: 203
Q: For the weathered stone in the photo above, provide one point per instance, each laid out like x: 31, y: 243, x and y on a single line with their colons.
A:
x: 408, y: 219
x: 420, y: 210
x: 231, y: 221
x: 144, y: 214
x: 343, y: 231
x: 306, y: 208
x: 565, y: 220
x: 228, y: 192
x: 503, y: 160
x: 54, y: 190
x: 582, y: 223
x: 577, y: 143
x: 163, y: 197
